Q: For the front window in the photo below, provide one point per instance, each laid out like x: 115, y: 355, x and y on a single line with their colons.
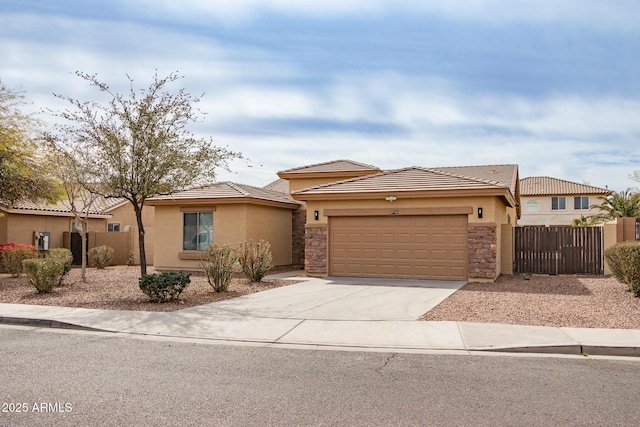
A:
x: 558, y: 203
x: 197, y: 231
x: 113, y: 227
x: 581, y: 203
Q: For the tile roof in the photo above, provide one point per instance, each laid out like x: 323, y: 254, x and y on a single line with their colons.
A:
x: 281, y: 185
x: 407, y: 179
x: 100, y: 206
x: 228, y: 191
x: 332, y: 166
x: 547, y: 186
x: 506, y: 174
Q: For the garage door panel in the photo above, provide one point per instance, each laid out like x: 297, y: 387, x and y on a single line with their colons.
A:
x: 458, y: 255
x: 399, y: 246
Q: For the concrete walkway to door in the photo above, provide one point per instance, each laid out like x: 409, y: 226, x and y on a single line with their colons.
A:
x: 341, y: 298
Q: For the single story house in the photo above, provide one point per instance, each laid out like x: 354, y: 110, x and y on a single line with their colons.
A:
x: 50, y: 225
x: 221, y: 213
x: 550, y: 201
x: 347, y: 218
x: 428, y: 223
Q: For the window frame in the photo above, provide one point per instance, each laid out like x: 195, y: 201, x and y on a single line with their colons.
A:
x: 208, y: 230
x: 531, y: 206
x: 113, y: 227
x: 558, y: 205
x: 579, y: 200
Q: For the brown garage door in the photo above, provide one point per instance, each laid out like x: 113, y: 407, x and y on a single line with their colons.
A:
x: 426, y: 247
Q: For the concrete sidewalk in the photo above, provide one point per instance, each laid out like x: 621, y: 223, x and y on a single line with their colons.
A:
x: 315, y: 323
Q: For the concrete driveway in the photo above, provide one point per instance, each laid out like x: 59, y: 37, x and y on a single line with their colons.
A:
x: 340, y: 298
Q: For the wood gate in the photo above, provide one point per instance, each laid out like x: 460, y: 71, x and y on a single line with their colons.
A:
x: 558, y: 250
x: 76, y: 248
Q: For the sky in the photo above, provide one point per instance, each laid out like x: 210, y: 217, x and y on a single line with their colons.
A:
x: 551, y: 85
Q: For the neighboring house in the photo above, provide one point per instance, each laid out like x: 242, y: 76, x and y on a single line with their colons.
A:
x: 221, y: 213
x: 50, y: 225
x: 353, y: 219
x: 551, y: 201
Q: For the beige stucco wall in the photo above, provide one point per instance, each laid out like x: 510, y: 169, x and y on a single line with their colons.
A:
x: 545, y: 216
x: 494, y: 211
x: 126, y: 217
x: 273, y: 225
x: 506, y: 246
x: 232, y: 224
x: 20, y: 228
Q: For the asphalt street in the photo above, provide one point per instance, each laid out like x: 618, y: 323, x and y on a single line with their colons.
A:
x: 54, y: 377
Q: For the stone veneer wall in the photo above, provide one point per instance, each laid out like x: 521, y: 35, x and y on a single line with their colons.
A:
x: 483, y: 249
x: 297, y: 233
x: 315, y: 261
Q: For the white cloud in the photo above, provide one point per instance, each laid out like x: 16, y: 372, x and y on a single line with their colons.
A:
x: 581, y: 138
x: 620, y: 14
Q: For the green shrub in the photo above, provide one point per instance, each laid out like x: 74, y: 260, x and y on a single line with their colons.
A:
x: 624, y: 260
x: 219, y: 262
x: 164, y: 286
x: 12, y: 255
x: 64, y: 255
x: 255, y: 259
x: 43, y: 273
x: 100, y: 256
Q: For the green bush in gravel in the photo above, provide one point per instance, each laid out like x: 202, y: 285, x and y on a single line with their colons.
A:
x: 43, y: 273
x: 100, y: 256
x: 64, y: 255
x: 164, y: 287
x: 624, y: 260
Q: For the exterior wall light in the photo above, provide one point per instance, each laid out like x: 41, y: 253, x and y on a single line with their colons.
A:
x: 479, y: 212
x: 316, y: 215
x: 391, y: 198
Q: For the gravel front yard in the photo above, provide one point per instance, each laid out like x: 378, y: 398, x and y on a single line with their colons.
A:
x: 569, y: 301
x: 116, y: 288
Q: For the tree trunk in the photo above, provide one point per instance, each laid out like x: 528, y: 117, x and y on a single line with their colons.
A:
x: 83, y: 240
x: 143, y: 256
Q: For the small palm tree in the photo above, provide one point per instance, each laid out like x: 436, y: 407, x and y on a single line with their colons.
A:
x: 586, y: 221
x: 625, y: 203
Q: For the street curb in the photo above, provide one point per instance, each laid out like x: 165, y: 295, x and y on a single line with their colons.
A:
x: 577, y: 349
x: 45, y: 323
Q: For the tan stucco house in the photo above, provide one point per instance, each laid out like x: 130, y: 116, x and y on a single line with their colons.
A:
x: 550, y: 201
x: 430, y: 223
x: 111, y: 222
x: 222, y: 213
x: 347, y: 218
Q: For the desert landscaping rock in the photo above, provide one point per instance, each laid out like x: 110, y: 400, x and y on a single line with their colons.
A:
x: 562, y: 301
x: 116, y: 288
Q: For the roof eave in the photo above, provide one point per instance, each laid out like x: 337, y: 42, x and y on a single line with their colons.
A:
x: 43, y: 212
x: 222, y: 201
x: 328, y: 174
x: 504, y: 193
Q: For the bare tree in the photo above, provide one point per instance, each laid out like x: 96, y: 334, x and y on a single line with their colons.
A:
x: 138, y: 145
x: 79, y: 200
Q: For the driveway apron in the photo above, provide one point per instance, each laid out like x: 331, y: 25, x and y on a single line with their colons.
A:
x: 336, y: 298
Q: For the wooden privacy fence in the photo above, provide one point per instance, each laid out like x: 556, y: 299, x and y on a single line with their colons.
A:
x: 558, y: 250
